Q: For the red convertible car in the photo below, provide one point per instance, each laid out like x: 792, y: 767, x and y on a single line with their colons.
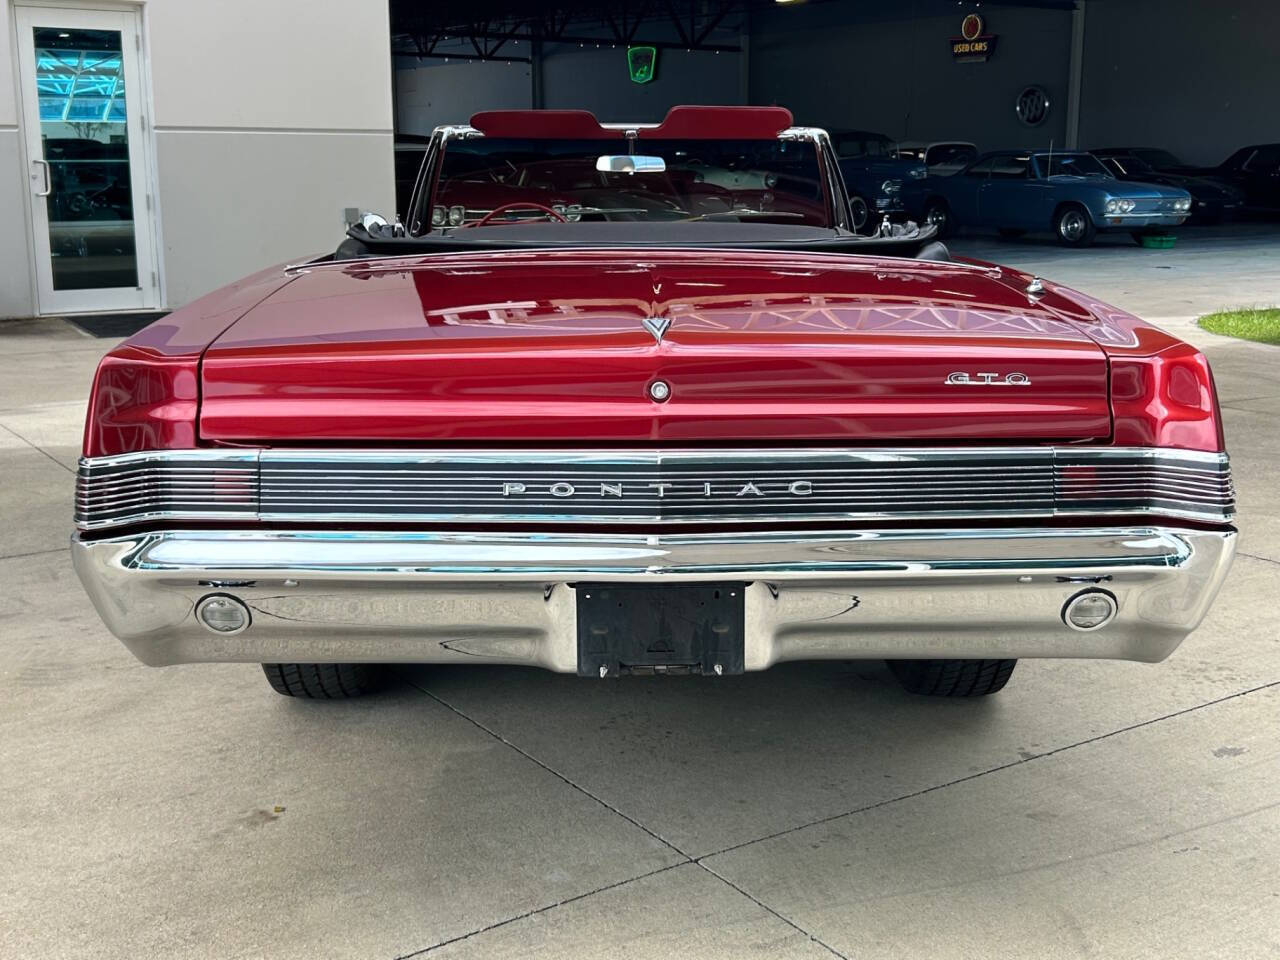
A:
x: 636, y: 399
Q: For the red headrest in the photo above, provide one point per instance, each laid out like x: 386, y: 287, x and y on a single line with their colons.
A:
x: 562, y: 124
x: 720, y: 123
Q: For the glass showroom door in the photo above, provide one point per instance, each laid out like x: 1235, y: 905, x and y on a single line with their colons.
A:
x: 88, y: 164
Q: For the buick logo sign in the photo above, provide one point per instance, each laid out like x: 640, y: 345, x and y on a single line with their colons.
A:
x: 1032, y: 106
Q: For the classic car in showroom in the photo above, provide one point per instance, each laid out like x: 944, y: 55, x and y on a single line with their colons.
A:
x: 1211, y: 200
x: 1253, y: 170
x: 1073, y: 195
x: 698, y: 427
x: 879, y: 183
x: 941, y: 158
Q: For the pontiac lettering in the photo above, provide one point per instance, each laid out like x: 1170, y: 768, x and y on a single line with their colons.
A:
x: 663, y: 489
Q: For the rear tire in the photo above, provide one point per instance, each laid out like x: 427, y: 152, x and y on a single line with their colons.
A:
x: 859, y: 213
x: 938, y: 213
x: 323, y: 681
x: 952, y: 678
x: 1073, y: 226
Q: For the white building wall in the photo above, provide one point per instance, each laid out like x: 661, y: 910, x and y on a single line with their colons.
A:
x: 270, y: 118
x: 16, y: 296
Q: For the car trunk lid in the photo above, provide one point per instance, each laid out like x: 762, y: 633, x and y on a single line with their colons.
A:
x: 564, y: 347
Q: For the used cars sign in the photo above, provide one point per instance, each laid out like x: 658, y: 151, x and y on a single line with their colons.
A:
x: 973, y: 44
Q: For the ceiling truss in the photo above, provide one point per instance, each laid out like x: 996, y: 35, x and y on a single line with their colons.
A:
x: 511, y: 31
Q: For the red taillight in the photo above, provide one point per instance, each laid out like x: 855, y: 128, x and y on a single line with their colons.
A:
x: 1166, y: 400
x: 142, y: 401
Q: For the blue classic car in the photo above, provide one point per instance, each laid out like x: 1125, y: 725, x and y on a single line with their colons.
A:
x: 874, y: 175
x: 1071, y: 194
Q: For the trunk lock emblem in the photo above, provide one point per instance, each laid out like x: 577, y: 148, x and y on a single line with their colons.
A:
x: 659, y: 390
x: 657, y: 326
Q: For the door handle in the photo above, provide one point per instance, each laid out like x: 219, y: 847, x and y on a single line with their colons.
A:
x: 48, y: 187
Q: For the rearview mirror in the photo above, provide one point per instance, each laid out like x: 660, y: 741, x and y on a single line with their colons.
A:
x: 630, y: 163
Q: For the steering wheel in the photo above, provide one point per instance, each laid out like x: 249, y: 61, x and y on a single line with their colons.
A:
x: 518, y: 205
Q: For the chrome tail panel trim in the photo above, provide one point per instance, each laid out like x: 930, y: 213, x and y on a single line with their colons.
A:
x: 662, y: 487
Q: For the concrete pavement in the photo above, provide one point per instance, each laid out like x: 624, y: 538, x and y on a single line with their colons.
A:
x: 1090, y: 809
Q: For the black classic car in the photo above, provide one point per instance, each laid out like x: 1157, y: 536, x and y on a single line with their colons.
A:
x: 1256, y: 171
x: 1211, y: 200
x: 1253, y: 170
x: 1160, y: 159
x: 940, y: 157
x: 880, y: 183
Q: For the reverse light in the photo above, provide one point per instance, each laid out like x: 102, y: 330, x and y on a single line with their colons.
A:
x: 1166, y: 400
x: 223, y: 614
x: 1089, y: 610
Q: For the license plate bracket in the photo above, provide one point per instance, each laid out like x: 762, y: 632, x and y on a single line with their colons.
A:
x: 665, y: 629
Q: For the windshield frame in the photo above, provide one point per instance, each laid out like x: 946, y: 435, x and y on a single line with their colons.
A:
x: 1044, y: 166
x: 1130, y: 164
x: 834, y: 196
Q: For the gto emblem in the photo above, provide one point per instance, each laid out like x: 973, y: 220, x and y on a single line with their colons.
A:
x: 988, y: 379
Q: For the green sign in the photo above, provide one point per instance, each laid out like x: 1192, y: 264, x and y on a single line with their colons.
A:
x: 642, y: 61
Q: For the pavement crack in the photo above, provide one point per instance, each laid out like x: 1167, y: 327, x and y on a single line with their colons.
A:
x: 12, y: 432
x: 982, y: 773
x: 686, y: 858
x: 700, y: 861
x: 772, y: 912
x: 1254, y: 556
x: 33, y: 553
x: 537, y: 910
x: 1266, y: 396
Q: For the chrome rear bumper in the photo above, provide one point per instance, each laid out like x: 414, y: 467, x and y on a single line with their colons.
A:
x: 510, y: 598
